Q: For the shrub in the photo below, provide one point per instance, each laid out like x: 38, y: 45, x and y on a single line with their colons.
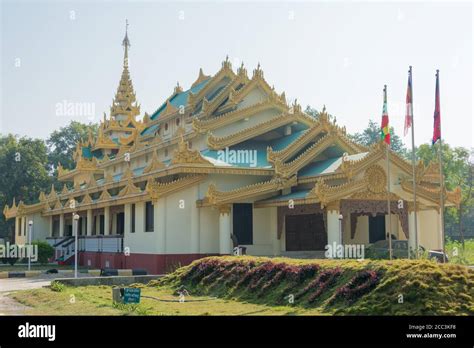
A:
x: 45, y: 251
x: 57, y: 286
x: 10, y: 260
x: 320, y: 284
x: 357, y: 286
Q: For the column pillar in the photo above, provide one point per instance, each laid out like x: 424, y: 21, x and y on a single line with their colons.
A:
x: 23, y: 224
x: 334, y: 235
x: 50, y: 226
x: 17, y: 227
x: 127, y: 218
x: 61, y: 225
x: 90, y: 220
x: 225, y: 231
x: 411, y: 231
x: 195, y: 224
x: 159, y: 221
x: 106, y: 220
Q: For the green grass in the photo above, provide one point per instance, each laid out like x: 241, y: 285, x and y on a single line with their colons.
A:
x: 97, y: 300
x: 459, y: 255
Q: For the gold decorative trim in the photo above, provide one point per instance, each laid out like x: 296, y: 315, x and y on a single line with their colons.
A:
x: 216, y: 197
x: 216, y: 143
x: 154, y: 165
x: 158, y: 190
x: 184, y: 155
x: 129, y: 189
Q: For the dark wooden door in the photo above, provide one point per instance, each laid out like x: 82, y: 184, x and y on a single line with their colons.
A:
x: 120, y: 223
x: 376, y: 228
x: 242, y: 223
x: 305, y: 232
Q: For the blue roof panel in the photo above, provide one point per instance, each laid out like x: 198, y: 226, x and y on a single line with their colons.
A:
x: 180, y: 98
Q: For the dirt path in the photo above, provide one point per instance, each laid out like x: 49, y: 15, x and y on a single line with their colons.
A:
x: 9, y: 306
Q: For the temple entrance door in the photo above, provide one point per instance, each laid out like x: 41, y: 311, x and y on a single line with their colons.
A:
x: 305, y: 232
x: 376, y: 228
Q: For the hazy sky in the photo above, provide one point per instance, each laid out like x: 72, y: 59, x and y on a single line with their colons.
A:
x: 339, y: 54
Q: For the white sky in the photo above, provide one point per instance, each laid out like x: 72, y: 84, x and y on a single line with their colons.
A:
x: 339, y: 54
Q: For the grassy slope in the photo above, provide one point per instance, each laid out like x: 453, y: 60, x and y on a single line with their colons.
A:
x: 427, y: 288
x: 97, y: 300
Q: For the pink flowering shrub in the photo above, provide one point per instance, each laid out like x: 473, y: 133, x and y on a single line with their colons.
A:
x: 324, y: 280
x: 359, y: 285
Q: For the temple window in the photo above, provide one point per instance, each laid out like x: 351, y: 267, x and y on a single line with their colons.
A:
x: 166, y: 127
x: 177, y: 121
x: 149, y: 217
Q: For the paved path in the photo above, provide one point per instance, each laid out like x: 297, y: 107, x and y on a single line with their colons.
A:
x: 9, y: 306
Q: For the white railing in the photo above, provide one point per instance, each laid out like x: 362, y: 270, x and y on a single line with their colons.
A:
x: 112, y: 244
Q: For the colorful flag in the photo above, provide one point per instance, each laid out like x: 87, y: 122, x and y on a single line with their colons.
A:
x: 385, y: 131
x: 409, y: 114
x: 437, y: 113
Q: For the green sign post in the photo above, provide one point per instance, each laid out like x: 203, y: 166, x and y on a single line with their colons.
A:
x: 131, y: 295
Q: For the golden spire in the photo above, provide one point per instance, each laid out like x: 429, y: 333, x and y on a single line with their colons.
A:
x: 124, y: 104
x: 126, y: 45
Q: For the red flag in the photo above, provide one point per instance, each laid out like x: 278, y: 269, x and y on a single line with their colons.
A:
x: 385, y: 131
x: 437, y: 113
x: 409, y: 111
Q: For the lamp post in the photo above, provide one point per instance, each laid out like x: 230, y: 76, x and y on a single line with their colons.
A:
x: 30, y: 229
x: 340, y: 228
x: 75, y: 218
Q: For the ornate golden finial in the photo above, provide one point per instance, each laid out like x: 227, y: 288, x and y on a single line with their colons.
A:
x: 178, y: 88
x: 226, y: 63
x: 126, y: 45
x: 201, y: 77
x: 146, y: 118
x: 242, y: 72
x: 258, y: 73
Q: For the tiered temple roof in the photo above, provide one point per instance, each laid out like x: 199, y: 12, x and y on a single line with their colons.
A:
x: 299, y: 157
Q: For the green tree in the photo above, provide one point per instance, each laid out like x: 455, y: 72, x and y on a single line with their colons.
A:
x: 62, y: 143
x: 24, y: 173
x: 371, y: 135
x: 458, y: 170
x: 45, y: 251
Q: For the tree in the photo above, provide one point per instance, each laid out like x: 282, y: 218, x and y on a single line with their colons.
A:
x: 45, y: 251
x: 371, y: 135
x: 458, y: 171
x: 24, y: 173
x: 62, y: 143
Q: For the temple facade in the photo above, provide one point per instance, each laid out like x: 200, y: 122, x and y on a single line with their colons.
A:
x: 227, y: 162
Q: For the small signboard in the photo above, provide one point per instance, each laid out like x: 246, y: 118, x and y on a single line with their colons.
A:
x: 131, y: 295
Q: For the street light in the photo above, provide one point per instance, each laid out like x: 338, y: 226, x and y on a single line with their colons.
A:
x: 30, y: 228
x: 75, y: 219
x: 340, y: 228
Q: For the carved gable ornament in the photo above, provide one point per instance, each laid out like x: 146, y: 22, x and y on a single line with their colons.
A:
x: 376, y: 179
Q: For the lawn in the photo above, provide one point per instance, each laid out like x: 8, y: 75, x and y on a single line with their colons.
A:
x: 97, y: 300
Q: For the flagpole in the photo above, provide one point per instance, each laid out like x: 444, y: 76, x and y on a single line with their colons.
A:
x: 413, y: 163
x: 441, y: 198
x: 388, y: 203
x: 388, y: 186
x: 441, y: 184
